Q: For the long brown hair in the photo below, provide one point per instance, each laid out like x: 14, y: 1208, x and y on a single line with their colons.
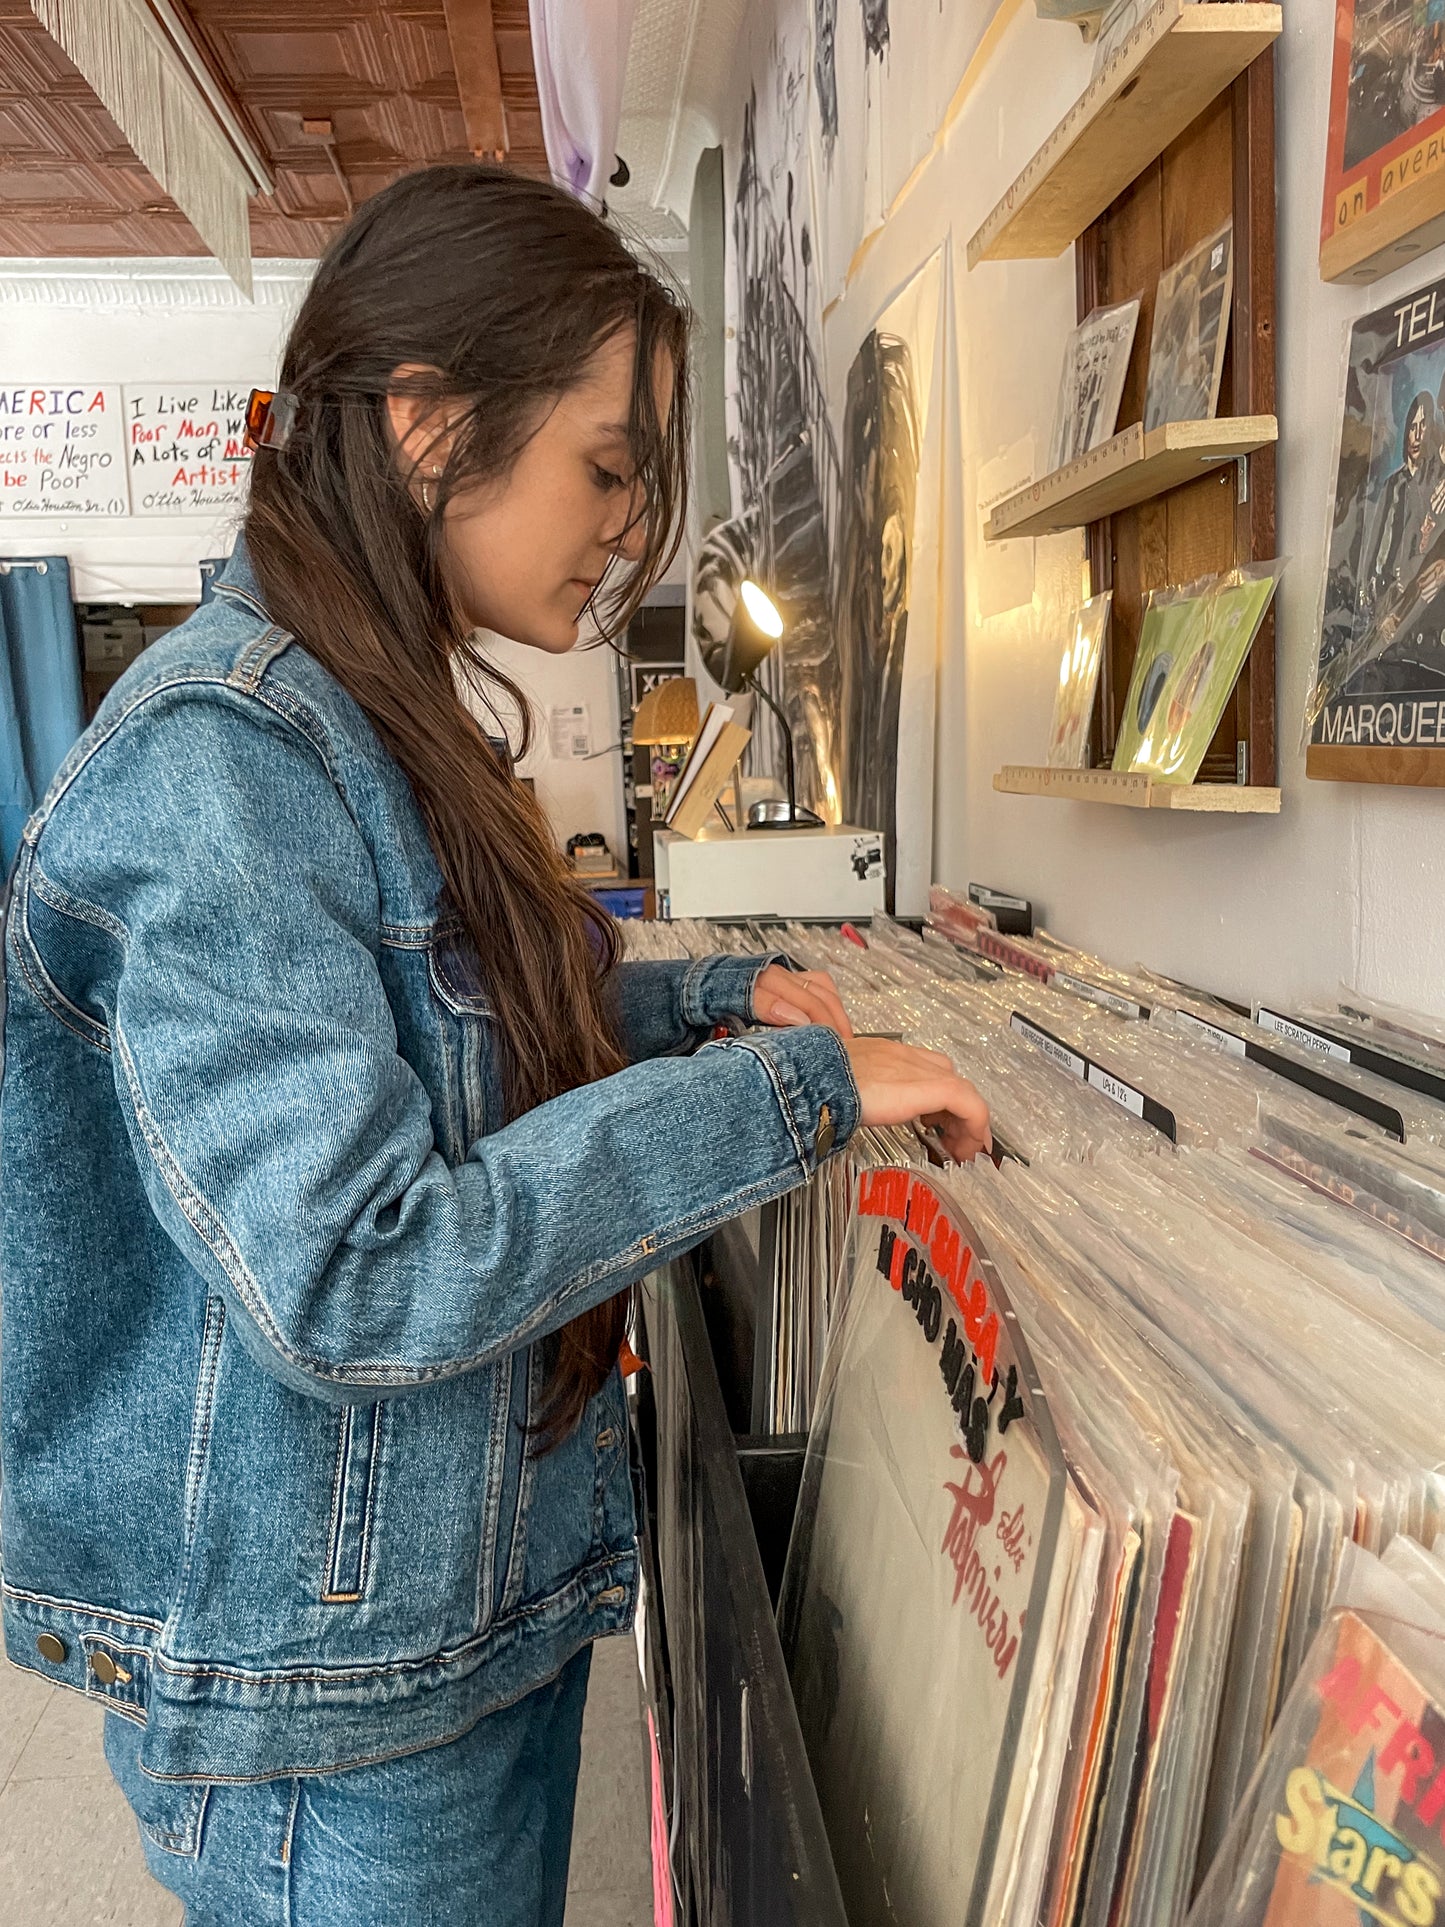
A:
x: 506, y: 287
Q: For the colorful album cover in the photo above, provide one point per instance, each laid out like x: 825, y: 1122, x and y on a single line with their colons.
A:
x: 1381, y: 671
x: 1345, y: 1829
x: 1172, y: 618
x: 1387, y: 110
x: 1191, y: 327
x: 1078, y: 680
x: 1205, y: 666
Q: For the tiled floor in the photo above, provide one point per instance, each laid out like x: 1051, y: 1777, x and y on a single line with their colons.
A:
x: 69, y: 1856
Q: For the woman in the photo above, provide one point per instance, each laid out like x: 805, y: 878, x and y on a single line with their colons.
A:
x: 334, y: 1138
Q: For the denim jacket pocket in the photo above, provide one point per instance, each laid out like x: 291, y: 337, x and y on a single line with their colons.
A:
x: 466, y: 1018
x: 353, y: 1502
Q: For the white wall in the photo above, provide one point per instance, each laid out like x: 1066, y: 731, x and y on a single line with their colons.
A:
x: 577, y: 796
x: 1348, y: 883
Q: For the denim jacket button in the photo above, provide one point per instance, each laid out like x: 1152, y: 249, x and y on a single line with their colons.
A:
x: 104, y: 1668
x: 605, y: 1439
x: 613, y: 1596
x: 823, y: 1142
x: 50, y: 1646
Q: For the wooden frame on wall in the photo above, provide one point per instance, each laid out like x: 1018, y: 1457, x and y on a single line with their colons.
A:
x: 1221, y: 166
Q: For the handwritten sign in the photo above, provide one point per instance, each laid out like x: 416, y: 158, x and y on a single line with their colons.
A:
x: 62, y: 450
x: 184, y: 447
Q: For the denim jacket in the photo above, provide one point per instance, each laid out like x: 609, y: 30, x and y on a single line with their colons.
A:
x: 275, y: 1264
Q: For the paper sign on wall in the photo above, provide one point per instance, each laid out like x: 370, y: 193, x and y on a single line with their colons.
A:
x: 62, y: 450
x: 184, y: 447
x: 571, y: 731
x: 1004, y: 575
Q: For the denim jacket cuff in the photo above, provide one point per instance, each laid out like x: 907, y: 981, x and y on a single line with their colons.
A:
x: 719, y: 990
x: 813, y: 1080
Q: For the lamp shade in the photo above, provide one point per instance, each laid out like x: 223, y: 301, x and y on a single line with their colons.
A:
x: 668, y: 713
x: 755, y: 628
x: 725, y: 560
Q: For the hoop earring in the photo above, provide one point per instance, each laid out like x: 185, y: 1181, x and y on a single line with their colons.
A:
x: 427, y: 492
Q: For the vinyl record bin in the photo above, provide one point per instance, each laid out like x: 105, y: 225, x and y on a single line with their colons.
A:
x: 749, y: 1847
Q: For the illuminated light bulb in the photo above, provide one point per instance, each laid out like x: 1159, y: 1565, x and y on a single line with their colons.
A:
x: 762, y: 609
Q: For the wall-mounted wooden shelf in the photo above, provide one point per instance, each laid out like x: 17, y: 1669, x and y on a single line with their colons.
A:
x: 1130, y: 468
x: 1169, y: 70
x: 1136, y: 792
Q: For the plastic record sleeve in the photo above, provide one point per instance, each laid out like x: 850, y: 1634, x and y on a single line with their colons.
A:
x: 930, y: 1566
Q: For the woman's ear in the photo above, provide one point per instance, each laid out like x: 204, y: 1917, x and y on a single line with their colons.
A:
x: 422, y: 422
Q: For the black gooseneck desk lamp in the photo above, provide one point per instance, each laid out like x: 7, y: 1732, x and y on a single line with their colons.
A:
x: 755, y: 629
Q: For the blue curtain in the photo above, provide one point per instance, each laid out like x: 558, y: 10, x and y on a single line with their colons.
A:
x: 41, y: 713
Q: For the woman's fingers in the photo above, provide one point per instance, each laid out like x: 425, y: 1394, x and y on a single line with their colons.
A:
x: 823, y: 996
x: 962, y: 1136
x: 799, y: 997
x: 898, y: 1083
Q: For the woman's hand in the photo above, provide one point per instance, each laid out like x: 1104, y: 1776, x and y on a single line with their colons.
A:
x: 782, y: 997
x: 899, y: 1085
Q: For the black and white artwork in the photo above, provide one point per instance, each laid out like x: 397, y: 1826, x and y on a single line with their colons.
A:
x: 885, y: 77
x: 1096, y: 362
x: 825, y: 69
x: 783, y: 456
x: 833, y: 510
x: 1191, y: 327
x: 881, y: 433
x: 886, y: 606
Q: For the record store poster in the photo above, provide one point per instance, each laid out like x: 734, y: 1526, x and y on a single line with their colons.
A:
x: 1377, y: 711
x: 924, y: 1582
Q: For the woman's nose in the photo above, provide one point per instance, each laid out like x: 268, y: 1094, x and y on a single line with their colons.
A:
x: 631, y: 539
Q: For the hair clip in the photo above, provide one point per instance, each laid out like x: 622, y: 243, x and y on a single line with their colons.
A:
x: 270, y: 418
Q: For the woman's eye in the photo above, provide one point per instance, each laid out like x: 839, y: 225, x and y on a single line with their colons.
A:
x: 605, y: 478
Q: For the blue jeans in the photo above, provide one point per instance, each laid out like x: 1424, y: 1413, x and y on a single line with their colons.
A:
x: 476, y: 1833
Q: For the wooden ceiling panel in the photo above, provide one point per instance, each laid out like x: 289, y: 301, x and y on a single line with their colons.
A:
x: 525, y: 129
x: 29, y: 137
x: 266, y: 58
x: 422, y: 51
x: 381, y: 71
